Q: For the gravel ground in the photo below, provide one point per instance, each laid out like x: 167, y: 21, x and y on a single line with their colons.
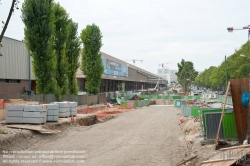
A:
x: 145, y: 136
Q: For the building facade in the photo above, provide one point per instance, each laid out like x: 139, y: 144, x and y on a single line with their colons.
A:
x: 16, y: 74
x: 167, y: 74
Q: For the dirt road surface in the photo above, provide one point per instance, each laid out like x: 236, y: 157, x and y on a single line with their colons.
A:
x: 145, y: 136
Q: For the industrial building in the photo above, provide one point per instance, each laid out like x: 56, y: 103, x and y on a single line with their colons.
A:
x: 167, y: 74
x: 16, y: 74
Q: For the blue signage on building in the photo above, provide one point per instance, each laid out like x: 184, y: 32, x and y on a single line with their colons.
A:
x: 114, y: 68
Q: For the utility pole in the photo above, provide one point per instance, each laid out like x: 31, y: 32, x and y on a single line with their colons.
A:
x: 226, y: 69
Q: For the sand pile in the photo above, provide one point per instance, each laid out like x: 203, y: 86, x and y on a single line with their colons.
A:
x: 191, y: 127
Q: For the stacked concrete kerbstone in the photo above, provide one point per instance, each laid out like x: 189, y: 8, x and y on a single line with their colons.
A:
x: 73, y: 108
x: 35, y: 114
x: 64, y: 109
x: 52, y: 112
x: 14, y: 113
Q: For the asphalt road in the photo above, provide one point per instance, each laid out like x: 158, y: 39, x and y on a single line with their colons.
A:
x: 145, y: 136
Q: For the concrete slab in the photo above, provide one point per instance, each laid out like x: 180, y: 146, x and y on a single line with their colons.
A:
x: 53, y: 112
x: 14, y: 119
x: 11, y: 113
x: 52, y: 106
x: 64, y: 114
x: 15, y: 107
x: 62, y: 104
x: 73, y: 111
x: 64, y: 109
x: 52, y: 118
x: 34, y: 120
x: 34, y: 114
x: 38, y: 108
x: 73, y: 104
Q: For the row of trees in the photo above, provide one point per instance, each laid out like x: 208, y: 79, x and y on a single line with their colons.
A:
x: 52, y: 40
x: 236, y: 66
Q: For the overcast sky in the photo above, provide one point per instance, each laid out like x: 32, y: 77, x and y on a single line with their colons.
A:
x: 157, y: 31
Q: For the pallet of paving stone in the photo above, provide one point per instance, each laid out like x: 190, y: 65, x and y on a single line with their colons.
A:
x: 52, y: 112
x: 35, y: 114
x: 14, y: 113
x: 73, y: 108
x: 64, y: 109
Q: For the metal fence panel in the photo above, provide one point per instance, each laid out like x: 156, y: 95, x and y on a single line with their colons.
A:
x: 212, y: 124
x: 139, y: 103
x: 102, y: 99
x: 187, y: 111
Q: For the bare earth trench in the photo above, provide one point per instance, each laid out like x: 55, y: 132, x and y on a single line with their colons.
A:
x: 145, y: 136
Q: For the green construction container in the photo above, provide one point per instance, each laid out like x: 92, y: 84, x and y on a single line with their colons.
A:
x: 182, y: 97
x: 136, y: 104
x: 195, y: 111
x: 213, y: 110
x: 177, y: 103
x: 123, y: 104
x: 198, y: 97
x: 151, y: 96
x: 166, y: 97
x: 143, y: 96
x: 174, y: 97
x: 142, y: 103
x: 158, y: 96
x: 146, y: 102
x: 190, y: 97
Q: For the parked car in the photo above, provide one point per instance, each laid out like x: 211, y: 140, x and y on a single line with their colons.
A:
x: 221, y: 93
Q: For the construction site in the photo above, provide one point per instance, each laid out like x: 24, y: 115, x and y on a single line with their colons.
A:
x: 163, y: 96
x: 136, y: 119
x: 163, y: 129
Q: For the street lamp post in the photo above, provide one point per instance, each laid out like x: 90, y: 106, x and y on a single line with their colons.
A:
x: 226, y: 70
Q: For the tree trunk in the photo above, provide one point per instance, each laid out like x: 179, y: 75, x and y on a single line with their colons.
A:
x: 8, y: 19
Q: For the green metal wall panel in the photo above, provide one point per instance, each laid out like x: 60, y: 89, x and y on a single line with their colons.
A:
x: 158, y: 97
x: 203, y: 116
x: 123, y: 104
x: 166, y: 97
x: 198, y: 97
x: 190, y: 97
x: 195, y: 111
x: 151, y: 96
x: 229, y: 127
x: 143, y: 96
x: 136, y: 103
x: 182, y: 97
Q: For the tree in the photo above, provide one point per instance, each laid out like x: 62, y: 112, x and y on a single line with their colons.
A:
x: 186, y: 74
x: 92, y: 66
x: 37, y: 17
x: 72, y: 55
x: 236, y: 66
x: 14, y: 5
x: 5, y: 24
x: 59, y: 44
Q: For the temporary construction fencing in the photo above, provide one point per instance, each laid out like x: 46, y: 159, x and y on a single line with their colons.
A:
x: 222, y: 98
x: 211, y: 122
x: 210, y: 118
x: 171, y: 97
